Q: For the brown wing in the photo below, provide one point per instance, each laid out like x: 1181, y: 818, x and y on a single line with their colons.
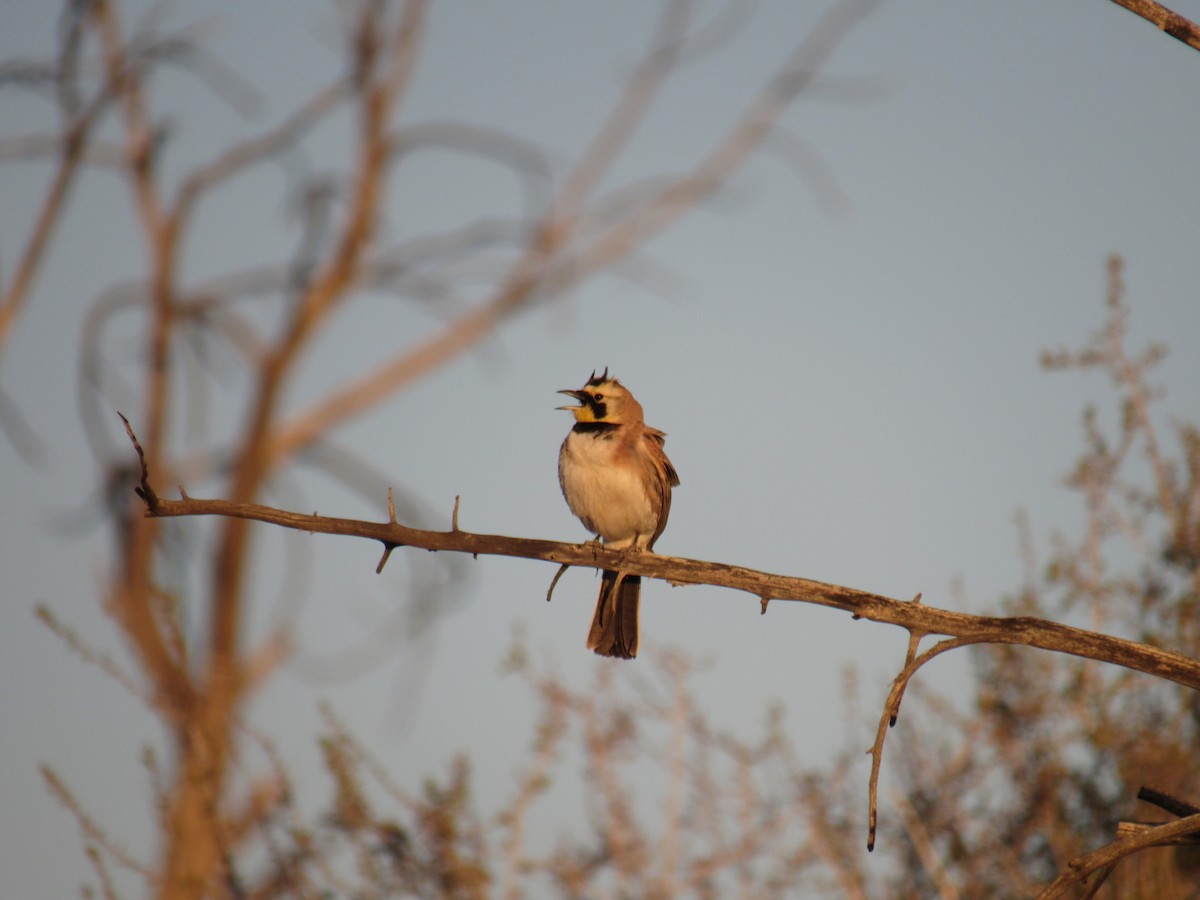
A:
x: 656, y: 440
x: 661, y: 479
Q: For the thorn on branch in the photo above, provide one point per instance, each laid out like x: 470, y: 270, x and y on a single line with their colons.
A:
x: 763, y: 601
x: 454, y: 515
x: 387, y: 551
x: 143, y: 488
x: 557, y: 575
x: 388, y: 546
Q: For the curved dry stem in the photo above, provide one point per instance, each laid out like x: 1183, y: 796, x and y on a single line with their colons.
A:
x: 554, y: 581
x: 891, y: 708
x: 1081, y: 868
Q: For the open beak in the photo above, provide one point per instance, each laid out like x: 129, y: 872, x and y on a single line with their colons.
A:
x: 578, y: 395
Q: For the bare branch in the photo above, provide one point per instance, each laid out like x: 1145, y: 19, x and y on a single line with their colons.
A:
x: 891, y: 708
x: 967, y: 628
x: 70, y: 151
x: 1081, y: 868
x: 1173, y: 805
x: 1171, y: 22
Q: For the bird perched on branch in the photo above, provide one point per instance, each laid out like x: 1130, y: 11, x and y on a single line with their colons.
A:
x: 617, y: 479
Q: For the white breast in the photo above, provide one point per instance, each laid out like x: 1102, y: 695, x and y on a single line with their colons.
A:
x: 610, y: 500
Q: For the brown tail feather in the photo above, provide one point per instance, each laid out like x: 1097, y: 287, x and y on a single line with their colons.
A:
x: 614, y: 630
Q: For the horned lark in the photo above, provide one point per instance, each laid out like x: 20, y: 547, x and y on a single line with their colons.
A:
x: 617, y: 480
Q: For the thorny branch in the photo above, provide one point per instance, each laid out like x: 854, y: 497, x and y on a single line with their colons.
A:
x: 963, y: 629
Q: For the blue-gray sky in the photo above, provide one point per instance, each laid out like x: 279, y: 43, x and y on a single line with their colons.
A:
x: 852, y: 394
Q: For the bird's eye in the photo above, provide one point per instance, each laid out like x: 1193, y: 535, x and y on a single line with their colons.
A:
x: 597, y: 397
